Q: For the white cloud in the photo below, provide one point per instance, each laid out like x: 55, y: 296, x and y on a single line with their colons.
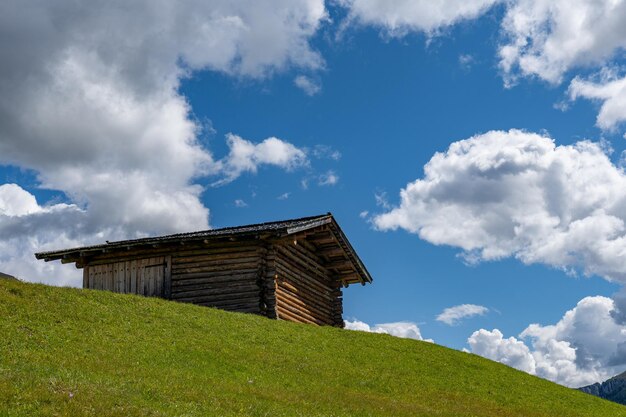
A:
x: 402, y: 329
x: 546, y: 38
x: 328, y: 178
x: 240, y: 203
x: 25, y: 227
x: 283, y: 196
x: 453, y: 315
x: 307, y: 84
x: 245, y: 156
x: 584, y: 347
x: 364, y: 214
x: 89, y: 101
x: 503, y: 194
x: 492, y: 345
x: 397, y: 18
x: 15, y: 201
x: 608, y: 88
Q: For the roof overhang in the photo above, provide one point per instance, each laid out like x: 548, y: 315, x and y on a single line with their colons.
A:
x: 268, y: 231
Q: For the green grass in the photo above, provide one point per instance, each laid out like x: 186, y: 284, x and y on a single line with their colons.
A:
x: 81, y: 352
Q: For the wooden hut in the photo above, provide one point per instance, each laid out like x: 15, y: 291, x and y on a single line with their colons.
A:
x: 291, y: 270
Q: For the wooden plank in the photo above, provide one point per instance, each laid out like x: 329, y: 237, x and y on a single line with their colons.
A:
x: 148, y: 271
x: 127, y: 277
x: 85, y: 277
x: 289, y: 254
x: 160, y: 273
x: 215, y: 259
x: 196, y: 284
x: 300, y: 309
x: 107, y: 273
x: 118, y: 277
x: 103, y: 277
x: 99, y: 284
x: 314, y: 310
x: 285, y: 309
x: 311, y: 258
x: 341, y: 264
x: 133, y: 277
x: 223, y: 273
x: 215, y: 291
x: 92, y: 271
x: 177, y: 284
x: 304, y: 292
x: 206, y: 267
x: 285, y: 272
x: 141, y: 279
x: 93, y: 276
x: 167, y: 285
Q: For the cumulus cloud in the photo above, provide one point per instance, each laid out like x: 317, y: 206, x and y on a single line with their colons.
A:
x: 492, y: 345
x: 517, y: 194
x: 546, y: 38
x: 607, y: 88
x: 245, y: 156
x: 397, y: 18
x: 307, y: 84
x: 25, y: 225
x: 587, y: 345
x: 89, y: 101
x: 453, y: 315
x: 402, y: 329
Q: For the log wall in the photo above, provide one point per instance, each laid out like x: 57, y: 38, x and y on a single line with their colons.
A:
x: 281, y: 281
x: 230, y: 277
x: 305, y: 290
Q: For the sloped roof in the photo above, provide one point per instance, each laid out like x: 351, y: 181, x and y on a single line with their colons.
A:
x: 276, y: 229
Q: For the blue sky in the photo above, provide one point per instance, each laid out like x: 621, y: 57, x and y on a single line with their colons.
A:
x: 181, y: 119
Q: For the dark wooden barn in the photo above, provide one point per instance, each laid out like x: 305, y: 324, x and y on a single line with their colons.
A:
x: 291, y: 270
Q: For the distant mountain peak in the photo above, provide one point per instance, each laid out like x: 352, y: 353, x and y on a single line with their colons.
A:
x: 6, y: 276
x: 613, y: 389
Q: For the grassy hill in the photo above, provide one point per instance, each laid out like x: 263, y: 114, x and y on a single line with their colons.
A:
x: 78, y: 352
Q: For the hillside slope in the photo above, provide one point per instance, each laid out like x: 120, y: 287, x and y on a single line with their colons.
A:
x: 78, y: 352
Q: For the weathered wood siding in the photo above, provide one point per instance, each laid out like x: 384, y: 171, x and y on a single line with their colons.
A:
x: 230, y: 277
x: 305, y: 290
x: 144, y: 276
x: 279, y: 280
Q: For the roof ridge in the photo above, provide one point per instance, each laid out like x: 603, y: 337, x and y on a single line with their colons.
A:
x: 243, y: 226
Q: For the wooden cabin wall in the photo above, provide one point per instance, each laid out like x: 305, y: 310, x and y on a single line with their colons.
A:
x: 226, y: 275
x: 305, y: 292
x: 144, y: 276
x: 230, y: 277
x: 279, y: 280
